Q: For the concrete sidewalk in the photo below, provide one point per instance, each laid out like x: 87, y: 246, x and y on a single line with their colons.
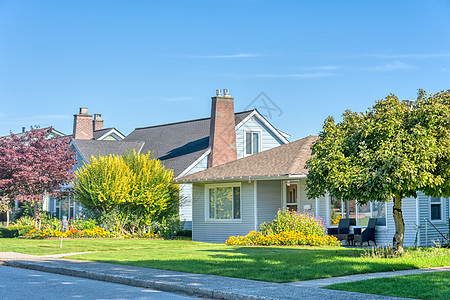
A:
x: 191, y: 284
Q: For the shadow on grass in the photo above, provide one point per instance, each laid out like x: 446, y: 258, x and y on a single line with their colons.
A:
x: 262, y: 263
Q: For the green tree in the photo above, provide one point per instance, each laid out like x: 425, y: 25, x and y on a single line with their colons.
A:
x: 391, y: 151
x: 135, y: 188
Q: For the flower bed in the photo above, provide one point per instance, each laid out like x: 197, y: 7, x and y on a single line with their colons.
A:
x: 285, y: 238
x: 289, y: 228
x: 97, y: 232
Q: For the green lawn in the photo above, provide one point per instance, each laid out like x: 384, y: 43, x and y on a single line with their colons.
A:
x: 420, y: 286
x: 276, y: 264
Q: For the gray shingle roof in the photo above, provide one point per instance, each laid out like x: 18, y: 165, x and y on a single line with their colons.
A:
x: 95, y: 148
x: 99, y: 133
x: 179, y: 144
x: 288, y: 159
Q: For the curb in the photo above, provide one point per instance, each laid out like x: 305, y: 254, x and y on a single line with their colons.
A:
x: 166, y: 287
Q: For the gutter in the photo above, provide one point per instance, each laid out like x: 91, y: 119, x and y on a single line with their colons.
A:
x: 243, y: 178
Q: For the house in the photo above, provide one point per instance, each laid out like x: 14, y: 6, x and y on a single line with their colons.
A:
x: 194, y: 145
x: 88, y: 138
x: 236, y: 197
x: 186, y: 147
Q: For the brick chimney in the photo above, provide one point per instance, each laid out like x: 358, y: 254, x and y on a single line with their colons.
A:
x: 83, y: 125
x: 97, y: 122
x: 222, y: 137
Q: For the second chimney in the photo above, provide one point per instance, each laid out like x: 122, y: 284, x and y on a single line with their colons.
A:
x: 83, y: 125
x: 97, y: 122
x: 222, y: 137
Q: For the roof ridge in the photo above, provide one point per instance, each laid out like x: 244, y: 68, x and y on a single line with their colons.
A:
x: 187, y: 121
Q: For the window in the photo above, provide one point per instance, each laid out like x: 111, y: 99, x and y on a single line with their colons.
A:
x: 436, y: 209
x: 361, y: 213
x: 57, y: 208
x: 252, y: 142
x: 224, y: 202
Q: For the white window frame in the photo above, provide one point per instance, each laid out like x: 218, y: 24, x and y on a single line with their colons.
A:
x: 357, y: 211
x: 215, y: 185
x: 259, y: 132
x: 442, y: 203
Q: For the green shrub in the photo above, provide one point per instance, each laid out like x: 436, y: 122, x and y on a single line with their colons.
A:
x: 169, y: 227
x: 292, y: 221
x: 14, y: 231
x: 24, y: 221
x: 126, y: 194
x: 288, y: 228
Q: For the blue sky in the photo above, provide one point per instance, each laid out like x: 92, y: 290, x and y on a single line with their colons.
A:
x: 142, y: 63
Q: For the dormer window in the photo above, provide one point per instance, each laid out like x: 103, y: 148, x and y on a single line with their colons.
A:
x: 252, y: 142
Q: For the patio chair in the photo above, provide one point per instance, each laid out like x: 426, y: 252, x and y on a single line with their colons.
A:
x: 368, y: 234
x: 343, y: 231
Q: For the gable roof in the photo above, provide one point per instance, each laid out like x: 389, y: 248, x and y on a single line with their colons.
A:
x: 180, y: 144
x: 88, y: 148
x: 102, y: 133
x: 285, y: 160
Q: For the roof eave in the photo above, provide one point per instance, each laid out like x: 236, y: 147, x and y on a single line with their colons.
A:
x: 243, y: 178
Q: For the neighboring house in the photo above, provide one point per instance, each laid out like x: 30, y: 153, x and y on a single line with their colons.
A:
x: 191, y: 146
x: 234, y: 198
x: 88, y: 138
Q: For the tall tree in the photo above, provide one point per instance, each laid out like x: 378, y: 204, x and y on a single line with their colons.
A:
x: 391, y: 151
x: 34, y: 164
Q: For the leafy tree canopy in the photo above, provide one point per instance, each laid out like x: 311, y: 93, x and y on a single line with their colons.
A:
x: 35, y: 163
x: 391, y: 151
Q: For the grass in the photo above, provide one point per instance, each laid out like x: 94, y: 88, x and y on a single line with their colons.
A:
x: 275, y: 264
x: 418, y: 286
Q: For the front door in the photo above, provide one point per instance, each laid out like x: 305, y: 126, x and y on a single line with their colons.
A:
x: 291, y: 197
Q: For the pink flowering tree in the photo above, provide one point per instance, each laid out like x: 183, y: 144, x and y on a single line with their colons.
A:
x: 34, y: 164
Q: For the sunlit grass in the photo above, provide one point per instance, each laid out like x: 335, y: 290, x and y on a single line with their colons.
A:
x: 276, y: 264
x: 418, y: 286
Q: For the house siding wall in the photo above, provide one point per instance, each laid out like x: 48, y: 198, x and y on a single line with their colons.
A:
x: 269, y: 200
x: 304, y: 200
x: 268, y: 140
x: 186, y: 195
x: 428, y: 234
x: 216, y: 231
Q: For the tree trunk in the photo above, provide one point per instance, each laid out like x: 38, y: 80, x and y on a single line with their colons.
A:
x: 37, y: 215
x: 7, y: 218
x: 399, y: 225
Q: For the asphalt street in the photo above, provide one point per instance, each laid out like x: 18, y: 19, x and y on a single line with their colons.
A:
x: 16, y: 283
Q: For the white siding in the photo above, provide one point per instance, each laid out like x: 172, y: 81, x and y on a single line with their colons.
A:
x: 186, y: 195
x: 269, y: 200
x: 304, y: 200
x: 218, y: 232
x: 428, y: 234
x: 268, y: 140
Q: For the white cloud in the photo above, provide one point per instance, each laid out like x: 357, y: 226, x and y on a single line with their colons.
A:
x: 396, y: 65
